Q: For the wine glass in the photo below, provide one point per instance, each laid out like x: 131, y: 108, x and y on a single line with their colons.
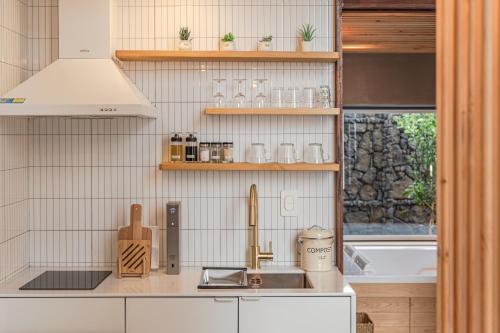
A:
x: 260, y: 97
x: 218, y: 95
x: 239, y: 97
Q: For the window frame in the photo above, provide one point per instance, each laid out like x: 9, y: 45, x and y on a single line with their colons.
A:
x: 349, y: 109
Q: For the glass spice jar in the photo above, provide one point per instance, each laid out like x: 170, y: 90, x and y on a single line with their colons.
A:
x: 204, y: 152
x: 216, y: 152
x: 191, y: 148
x: 176, y: 148
x: 227, y: 152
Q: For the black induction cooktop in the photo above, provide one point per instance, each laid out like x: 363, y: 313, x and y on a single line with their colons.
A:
x: 67, y: 280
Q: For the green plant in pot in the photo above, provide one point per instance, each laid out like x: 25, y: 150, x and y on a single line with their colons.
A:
x: 265, y: 43
x: 185, y: 39
x: 307, y: 34
x: 227, y: 42
x: 420, y: 129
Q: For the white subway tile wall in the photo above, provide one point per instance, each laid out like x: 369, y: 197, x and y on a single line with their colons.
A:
x: 14, y: 228
x: 84, y: 174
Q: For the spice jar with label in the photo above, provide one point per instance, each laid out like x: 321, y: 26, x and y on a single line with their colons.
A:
x: 176, y: 148
x: 216, y: 152
x: 227, y: 152
x: 191, y: 148
x: 204, y: 152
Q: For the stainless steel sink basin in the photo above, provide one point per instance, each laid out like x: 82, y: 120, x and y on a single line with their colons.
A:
x: 230, y: 278
x: 223, y: 278
x: 279, y: 281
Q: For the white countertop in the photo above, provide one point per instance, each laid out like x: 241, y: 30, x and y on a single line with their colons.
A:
x: 159, y: 284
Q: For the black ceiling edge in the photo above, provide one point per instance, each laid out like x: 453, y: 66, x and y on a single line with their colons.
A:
x: 390, y: 107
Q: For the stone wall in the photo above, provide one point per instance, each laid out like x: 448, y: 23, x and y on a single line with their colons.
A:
x: 377, y: 172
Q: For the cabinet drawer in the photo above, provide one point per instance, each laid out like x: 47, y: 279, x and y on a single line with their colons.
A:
x: 295, y: 314
x: 62, y: 315
x: 182, y: 315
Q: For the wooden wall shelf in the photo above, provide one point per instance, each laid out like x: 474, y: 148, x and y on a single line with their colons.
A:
x: 272, y: 111
x: 234, y: 56
x: 179, y: 166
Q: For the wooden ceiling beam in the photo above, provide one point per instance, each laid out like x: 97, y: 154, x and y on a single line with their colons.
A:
x: 389, y: 32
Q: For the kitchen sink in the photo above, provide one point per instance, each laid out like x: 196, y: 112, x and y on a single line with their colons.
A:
x: 232, y: 278
x: 279, y: 281
x: 223, y: 278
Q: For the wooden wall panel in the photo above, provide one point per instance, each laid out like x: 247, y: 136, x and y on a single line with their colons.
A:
x: 383, y: 304
x: 468, y: 72
x: 397, y: 308
x: 423, y: 305
x: 395, y: 290
x: 423, y: 329
x: 389, y: 32
x: 389, y: 329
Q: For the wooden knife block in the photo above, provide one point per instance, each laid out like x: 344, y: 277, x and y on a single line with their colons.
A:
x: 134, y: 247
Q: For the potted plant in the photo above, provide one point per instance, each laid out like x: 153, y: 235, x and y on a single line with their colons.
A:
x: 227, y: 42
x: 307, y: 34
x: 184, y: 39
x: 265, y: 43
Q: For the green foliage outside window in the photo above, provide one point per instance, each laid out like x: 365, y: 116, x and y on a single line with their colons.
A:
x: 420, y: 129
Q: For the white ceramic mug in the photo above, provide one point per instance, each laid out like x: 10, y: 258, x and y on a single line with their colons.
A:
x: 257, y: 153
x: 314, y: 154
x: 287, y: 154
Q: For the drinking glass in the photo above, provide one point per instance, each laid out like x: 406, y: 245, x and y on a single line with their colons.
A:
x: 309, y: 97
x: 325, y: 96
x: 260, y: 96
x: 219, y: 88
x: 239, y: 97
x: 257, y: 153
x: 287, y: 154
x: 314, y: 154
x: 293, y: 97
x: 277, y: 97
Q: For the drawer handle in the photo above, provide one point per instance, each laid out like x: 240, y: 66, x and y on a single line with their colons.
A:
x: 223, y: 300
x: 250, y: 299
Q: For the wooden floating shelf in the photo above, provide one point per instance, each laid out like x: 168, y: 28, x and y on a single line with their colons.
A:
x: 272, y: 111
x: 248, y: 56
x: 180, y: 166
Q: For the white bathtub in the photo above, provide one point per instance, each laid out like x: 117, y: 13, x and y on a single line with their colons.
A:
x: 391, y: 264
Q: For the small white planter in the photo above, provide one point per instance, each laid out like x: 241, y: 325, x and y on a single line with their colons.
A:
x: 265, y: 46
x: 185, y: 45
x: 306, y: 46
x: 227, y: 46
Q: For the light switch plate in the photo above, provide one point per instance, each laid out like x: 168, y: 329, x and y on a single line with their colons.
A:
x: 289, y: 203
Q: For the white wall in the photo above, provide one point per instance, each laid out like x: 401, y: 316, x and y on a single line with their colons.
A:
x: 14, y: 239
x: 84, y: 174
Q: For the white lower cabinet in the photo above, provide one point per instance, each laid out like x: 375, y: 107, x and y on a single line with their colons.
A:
x: 295, y: 314
x: 182, y: 315
x: 62, y: 315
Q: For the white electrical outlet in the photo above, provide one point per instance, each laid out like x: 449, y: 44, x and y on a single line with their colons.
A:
x: 289, y: 204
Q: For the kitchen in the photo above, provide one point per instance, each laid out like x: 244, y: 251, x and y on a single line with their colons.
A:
x: 78, y: 173
x: 192, y: 166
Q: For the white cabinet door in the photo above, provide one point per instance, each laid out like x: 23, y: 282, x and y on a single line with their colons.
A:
x: 182, y: 315
x: 62, y: 315
x: 295, y: 314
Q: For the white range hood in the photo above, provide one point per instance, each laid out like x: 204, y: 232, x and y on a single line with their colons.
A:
x: 85, y: 81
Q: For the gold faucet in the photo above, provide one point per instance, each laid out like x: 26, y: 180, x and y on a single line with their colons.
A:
x: 255, y: 254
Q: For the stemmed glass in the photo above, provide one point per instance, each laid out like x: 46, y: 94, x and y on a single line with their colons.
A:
x: 260, y: 97
x: 218, y: 95
x: 239, y: 97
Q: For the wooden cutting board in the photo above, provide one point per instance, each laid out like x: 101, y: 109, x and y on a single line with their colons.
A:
x: 134, y: 246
